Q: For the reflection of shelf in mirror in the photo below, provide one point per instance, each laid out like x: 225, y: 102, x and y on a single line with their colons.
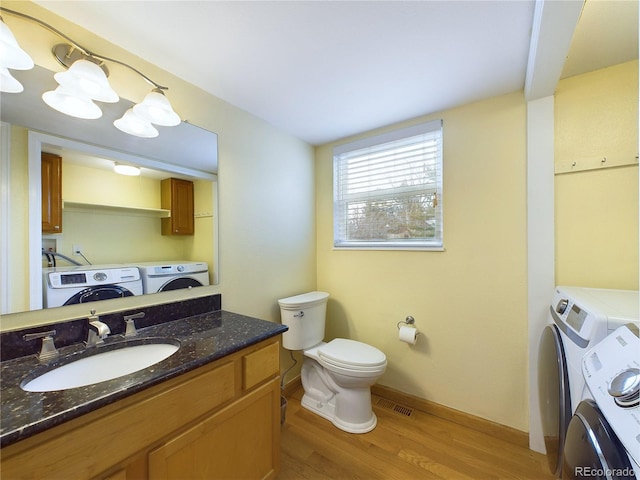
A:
x: 114, y: 209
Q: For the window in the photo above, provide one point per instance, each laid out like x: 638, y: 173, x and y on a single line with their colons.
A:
x: 388, y: 190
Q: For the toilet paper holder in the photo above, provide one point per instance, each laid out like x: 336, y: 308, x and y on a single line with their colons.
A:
x: 409, y: 321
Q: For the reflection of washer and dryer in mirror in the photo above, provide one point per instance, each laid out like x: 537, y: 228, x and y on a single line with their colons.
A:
x: 587, y: 433
x: 89, y: 283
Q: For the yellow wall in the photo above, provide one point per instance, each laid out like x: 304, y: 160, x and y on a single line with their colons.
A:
x: 470, y: 300
x: 91, y: 185
x: 198, y: 247
x: 121, y: 236
x: 19, y: 248
x: 596, y: 115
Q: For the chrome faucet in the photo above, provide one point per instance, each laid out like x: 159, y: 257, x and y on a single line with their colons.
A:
x: 48, y: 349
x: 98, y: 330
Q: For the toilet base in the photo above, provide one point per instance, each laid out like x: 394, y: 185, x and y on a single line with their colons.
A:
x: 327, y: 410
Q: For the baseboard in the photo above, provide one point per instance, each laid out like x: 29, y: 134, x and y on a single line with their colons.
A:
x: 291, y: 387
x: 494, y: 429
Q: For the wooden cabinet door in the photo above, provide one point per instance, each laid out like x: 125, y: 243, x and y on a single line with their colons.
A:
x: 177, y: 196
x: 51, y: 174
x: 242, y: 441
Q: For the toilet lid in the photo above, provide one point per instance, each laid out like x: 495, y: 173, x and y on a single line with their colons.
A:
x: 350, y: 352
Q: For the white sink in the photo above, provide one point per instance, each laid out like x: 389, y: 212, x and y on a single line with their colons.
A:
x: 101, y: 367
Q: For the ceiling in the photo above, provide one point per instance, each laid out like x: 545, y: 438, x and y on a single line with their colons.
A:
x: 325, y: 70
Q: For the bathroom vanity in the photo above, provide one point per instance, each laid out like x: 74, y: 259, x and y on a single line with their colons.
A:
x: 211, y: 410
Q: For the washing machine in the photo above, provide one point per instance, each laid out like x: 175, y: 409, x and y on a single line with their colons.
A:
x: 579, y: 318
x: 161, y: 277
x: 88, y: 283
x: 603, y: 439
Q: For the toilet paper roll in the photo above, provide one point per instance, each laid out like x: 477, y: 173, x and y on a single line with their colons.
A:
x: 408, y: 335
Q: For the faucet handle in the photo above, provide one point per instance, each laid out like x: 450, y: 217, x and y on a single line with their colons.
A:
x: 130, y: 324
x: 27, y: 337
x: 48, y: 349
x: 130, y: 330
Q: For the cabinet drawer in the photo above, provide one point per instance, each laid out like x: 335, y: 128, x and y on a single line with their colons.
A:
x: 260, y: 365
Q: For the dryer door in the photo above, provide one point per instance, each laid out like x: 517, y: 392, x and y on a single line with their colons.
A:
x: 592, y: 449
x: 181, y: 282
x: 555, y: 399
x: 103, y: 292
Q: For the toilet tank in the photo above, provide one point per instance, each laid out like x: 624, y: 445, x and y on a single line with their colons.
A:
x: 305, y: 316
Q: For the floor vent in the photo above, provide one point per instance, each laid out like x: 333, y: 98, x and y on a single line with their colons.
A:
x: 401, y: 409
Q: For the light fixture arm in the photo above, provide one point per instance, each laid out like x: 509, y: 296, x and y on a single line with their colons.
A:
x: 84, y: 50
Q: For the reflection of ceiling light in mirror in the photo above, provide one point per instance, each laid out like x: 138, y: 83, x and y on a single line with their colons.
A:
x: 11, y: 55
x: 66, y: 102
x: 8, y: 83
x: 129, y: 170
x: 88, y: 79
x: 134, y: 125
x: 155, y: 108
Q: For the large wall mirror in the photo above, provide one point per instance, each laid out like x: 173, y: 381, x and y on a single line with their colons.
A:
x: 112, y: 219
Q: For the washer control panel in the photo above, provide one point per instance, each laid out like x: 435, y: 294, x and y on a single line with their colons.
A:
x: 578, y: 323
x: 88, y: 278
x: 171, y: 269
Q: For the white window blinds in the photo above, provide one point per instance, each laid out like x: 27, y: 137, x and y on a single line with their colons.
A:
x: 388, y: 190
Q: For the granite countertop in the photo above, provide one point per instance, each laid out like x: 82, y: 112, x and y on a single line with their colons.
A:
x: 203, y: 338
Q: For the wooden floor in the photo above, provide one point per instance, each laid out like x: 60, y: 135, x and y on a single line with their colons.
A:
x: 407, y: 444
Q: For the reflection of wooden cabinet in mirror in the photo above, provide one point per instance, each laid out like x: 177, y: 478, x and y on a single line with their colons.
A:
x: 51, y: 175
x: 177, y: 196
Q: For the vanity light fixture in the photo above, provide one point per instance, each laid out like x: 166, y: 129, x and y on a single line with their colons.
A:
x: 11, y: 56
x: 129, y: 170
x: 84, y: 82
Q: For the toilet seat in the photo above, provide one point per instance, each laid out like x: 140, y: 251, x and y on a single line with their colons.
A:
x: 352, y: 355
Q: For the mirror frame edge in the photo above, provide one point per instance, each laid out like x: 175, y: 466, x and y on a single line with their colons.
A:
x: 5, y: 151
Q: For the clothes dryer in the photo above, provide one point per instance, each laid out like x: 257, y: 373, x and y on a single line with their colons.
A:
x: 88, y: 283
x: 579, y: 318
x: 173, y: 275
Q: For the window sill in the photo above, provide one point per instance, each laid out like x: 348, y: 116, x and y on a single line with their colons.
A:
x: 389, y: 248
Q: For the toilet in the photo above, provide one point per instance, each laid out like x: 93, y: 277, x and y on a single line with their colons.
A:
x: 336, y: 376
